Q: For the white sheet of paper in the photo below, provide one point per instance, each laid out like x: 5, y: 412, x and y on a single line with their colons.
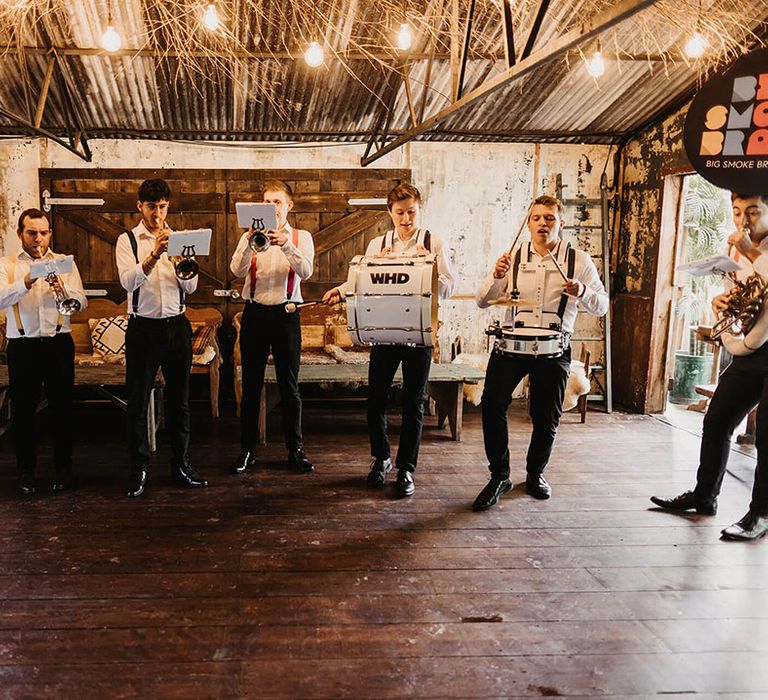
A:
x: 43, y: 268
x: 199, y: 240
x: 257, y: 214
x: 714, y: 265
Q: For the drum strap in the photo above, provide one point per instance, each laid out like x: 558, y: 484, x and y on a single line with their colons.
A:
x: 571, y: 253
x: 16, y: 312
x: 516, y: 263
x: 423, y: 237
x: 291, y: 284
x: 135, y: 296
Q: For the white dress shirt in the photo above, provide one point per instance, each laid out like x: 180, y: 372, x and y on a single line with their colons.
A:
x: 540, y: 283
x: 37, y: 306
x: 404, y: 249
x: 159, y: 291
x: 273, y: 266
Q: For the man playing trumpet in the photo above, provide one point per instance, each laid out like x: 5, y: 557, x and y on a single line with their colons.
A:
x: 158, y: 335
x: 272, y: 282
x: 41, y: 352
x: 739, y: 389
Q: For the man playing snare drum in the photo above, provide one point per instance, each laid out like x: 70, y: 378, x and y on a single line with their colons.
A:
x: 405, y: 240
x: 549, y: 305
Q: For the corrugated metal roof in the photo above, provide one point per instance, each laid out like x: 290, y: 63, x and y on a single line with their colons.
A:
x: 239, y: 96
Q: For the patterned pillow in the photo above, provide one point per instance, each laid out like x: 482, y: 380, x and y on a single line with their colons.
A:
x: 108, y: 335
x: 201, y: 337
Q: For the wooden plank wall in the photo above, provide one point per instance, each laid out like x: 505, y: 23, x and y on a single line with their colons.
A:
x: 206, y: 198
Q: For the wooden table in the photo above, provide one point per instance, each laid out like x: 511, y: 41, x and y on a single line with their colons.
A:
x: 446, y: 387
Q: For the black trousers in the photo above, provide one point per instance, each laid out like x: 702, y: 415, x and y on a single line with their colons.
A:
x: 150, y: 344
x: 385, y: 360
x: 34, y: 364
x: 264, y: 327
x: 548, y: 377
x: 740, y: 388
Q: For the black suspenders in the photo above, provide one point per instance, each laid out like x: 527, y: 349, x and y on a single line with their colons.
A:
x: 391, y: 236
x: 135, y: 297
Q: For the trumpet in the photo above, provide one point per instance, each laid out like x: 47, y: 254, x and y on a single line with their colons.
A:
x: 185, y: 265
x: 65, y: 305
x: 259, y: 241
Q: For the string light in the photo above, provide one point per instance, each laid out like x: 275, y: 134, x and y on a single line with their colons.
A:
x: 696, y: 45
x: 314, y: 55
x: 111, y: 40
x: 596, y: 64
x: 404, y: 37
x: 211, y: 18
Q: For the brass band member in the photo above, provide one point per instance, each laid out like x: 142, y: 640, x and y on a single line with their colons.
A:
x: 740, y: 388
x: 530, y: 269
x: 158, y: 335
x: 272, y: 279
x: 41, y: 352
x: 404, y: 204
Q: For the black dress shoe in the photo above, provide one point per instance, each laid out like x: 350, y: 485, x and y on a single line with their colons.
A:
x: 536, y: 485
x: 136, y: 483
x: 185, y: 475
x: 491, y: 493
x: 27, y: 484
x: 687, y: 501
x: 404, y: 485
x: 298, y: 460
x: 379, y: 470
x: 244, y: 460
x: 750, y: 527
x: 64, y: 480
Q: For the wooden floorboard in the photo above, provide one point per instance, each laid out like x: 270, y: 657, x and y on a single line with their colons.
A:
x: 275, y: 584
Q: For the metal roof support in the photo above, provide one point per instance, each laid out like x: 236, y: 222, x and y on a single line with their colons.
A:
x: 509, y: 33
x: 33, y: 130
x: 78, y: 138
x: 465, y: 49
x: 388, y: 104
x: 617, y: 13
x: 533, y: 34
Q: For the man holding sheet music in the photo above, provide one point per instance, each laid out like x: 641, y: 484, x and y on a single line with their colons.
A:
x: 740, y: 388
x: 158, y: 335
x: 41, y: 352
x: 272, y: 280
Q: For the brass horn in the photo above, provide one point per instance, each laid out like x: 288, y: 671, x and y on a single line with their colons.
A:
x: 65, y: 305
x: 185, y: 265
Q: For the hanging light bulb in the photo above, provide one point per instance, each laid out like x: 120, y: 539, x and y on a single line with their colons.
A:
x: 211, y: 18
x: 696, y: 45
x: 111, y: 40
x: 404, y: 37
x: 596, y: 64
x: 314, y: 55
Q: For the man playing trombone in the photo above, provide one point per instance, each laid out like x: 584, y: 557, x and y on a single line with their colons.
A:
x: 41, y: 352
x: 158, y: 335
x: 273, y: 268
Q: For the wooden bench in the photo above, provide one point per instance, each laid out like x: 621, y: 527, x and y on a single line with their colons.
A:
x: 91, y: 371
x: 446, y: 387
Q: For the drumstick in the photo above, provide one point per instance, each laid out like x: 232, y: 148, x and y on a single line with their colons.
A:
x: 557, y: 265
x: 520, y: 230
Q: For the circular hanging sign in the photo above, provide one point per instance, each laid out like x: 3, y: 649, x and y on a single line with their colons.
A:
x: 726, y: 130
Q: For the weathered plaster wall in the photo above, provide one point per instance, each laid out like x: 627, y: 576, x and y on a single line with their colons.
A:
x: 475, y: 194
x: 646, y: 161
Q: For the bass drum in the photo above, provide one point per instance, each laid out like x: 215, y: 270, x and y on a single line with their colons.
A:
x: 392, y: 301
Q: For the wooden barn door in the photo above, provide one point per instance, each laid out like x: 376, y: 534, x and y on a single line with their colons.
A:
x: 206, y: 199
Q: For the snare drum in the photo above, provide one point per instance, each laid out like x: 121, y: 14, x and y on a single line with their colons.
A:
x: 392, y: 301
x: 532, y: 342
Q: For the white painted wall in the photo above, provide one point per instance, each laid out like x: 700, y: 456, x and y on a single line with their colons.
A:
x: 475, y: 194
